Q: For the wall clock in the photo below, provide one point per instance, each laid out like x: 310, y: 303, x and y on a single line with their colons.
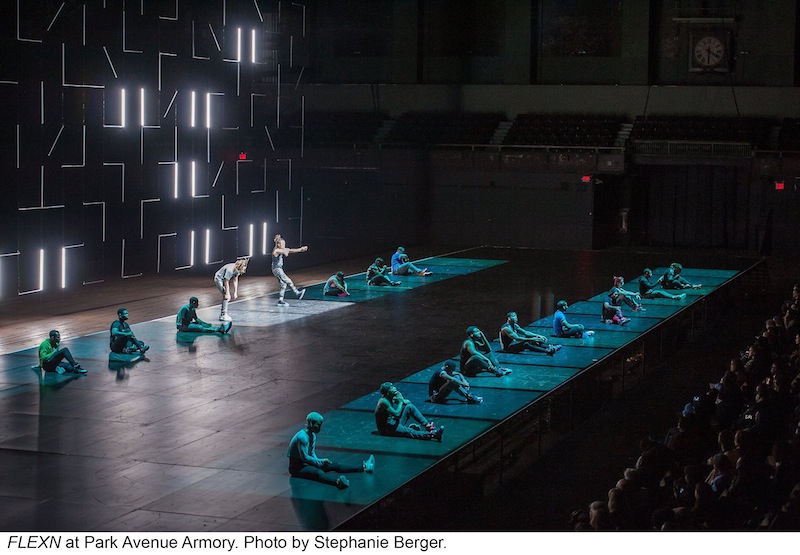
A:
x: 708, y: 51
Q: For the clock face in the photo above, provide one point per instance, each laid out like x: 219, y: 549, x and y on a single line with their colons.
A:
x: 709, y: 51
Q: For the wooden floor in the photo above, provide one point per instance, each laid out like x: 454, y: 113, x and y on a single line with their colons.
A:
x: 150, y: 447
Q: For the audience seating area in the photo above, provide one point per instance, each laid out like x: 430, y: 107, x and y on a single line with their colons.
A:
x: 789, y: 136
x: 444, y: 128
x: 733, y: 460
x: 348, y: 128
x: 335, y: 128
x: 755, y: 131
x: 563, y: 130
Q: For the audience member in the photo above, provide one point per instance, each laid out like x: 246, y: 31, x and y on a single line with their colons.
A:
x: 751, y: 478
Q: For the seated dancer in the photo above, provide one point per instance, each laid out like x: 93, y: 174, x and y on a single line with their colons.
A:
x: 562, y: 328
x: 336, y: 286
x: 648, y: 288
x: 122, y: 340
x: 477, y: 355
x: 304, y: 463
x: 619, y: 295
x: 512, y: 332
x: 55, y: 359
x: 396, y: 416
x: 447, y: 380
x: 225, y: 277
x: 401, y: 265
x: 187, y: 320
x: 612, y: 314
x: 377, y: 273
x: 672, y: 279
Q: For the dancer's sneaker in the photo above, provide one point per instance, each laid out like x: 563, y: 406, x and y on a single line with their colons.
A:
x: 60, y: 369
x: 342, y: 482
x: 224, y: 318
x: 369, y: 464
x: 301, y: 294
x: 437, y: 434
x: 588, y: 333
x: 474, y: 400
x: 430, y: 426
x: 282, y: 303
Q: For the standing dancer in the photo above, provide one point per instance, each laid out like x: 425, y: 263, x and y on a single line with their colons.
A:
x: 225, y: 276
x: 278, y: 254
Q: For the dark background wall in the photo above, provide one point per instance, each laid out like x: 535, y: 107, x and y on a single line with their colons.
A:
x: 88, y: 199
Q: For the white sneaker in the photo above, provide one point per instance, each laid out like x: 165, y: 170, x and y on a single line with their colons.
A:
x: 301, y: 294
x: 589, y: 333
x: 224, y: 318
x: 369, y: 464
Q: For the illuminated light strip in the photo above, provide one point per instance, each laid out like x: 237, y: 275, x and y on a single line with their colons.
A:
x: 213, y: 34
x: 253, y: 46
x: 271, y: 144
x: 41, y: 276
x: 302, y: 205
x: 158, y: 256
x: 223, y: 217
x: 64, y: 263
x: 83, y: 153
x: 122, y: 270
x: 176, y: 180
x: 55, y: 141
x: 252, y: 230
x: 124, y: 38
x: 167, y: 18
x: 237, y: 172
x: 193, y: 109
x: 264, y: 190
x: 141, y: 214
x: 5, y: 255
x: 216, y: 177
x: 171, y: 102
x: 160, y: 55
x: 238, y: 44
x: 194, y: 45
x: 41, y: 269
x: 122, y: 111
x: 141, y: 106
x: 122, y: 166
x: 260, y: 16
x: 108, y: 57
x: 191, y: 250
x: 19, y: 38
x: 41, y: 197
x: 194, y: 179
x: 103, y: 211
x: 264, y: 238
x: 208, y: 246
x: 253, y: 106
x: 208, y: 111
x: 64, y: 73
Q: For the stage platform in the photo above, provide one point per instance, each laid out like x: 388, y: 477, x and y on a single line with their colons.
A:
x: 194, y: 437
